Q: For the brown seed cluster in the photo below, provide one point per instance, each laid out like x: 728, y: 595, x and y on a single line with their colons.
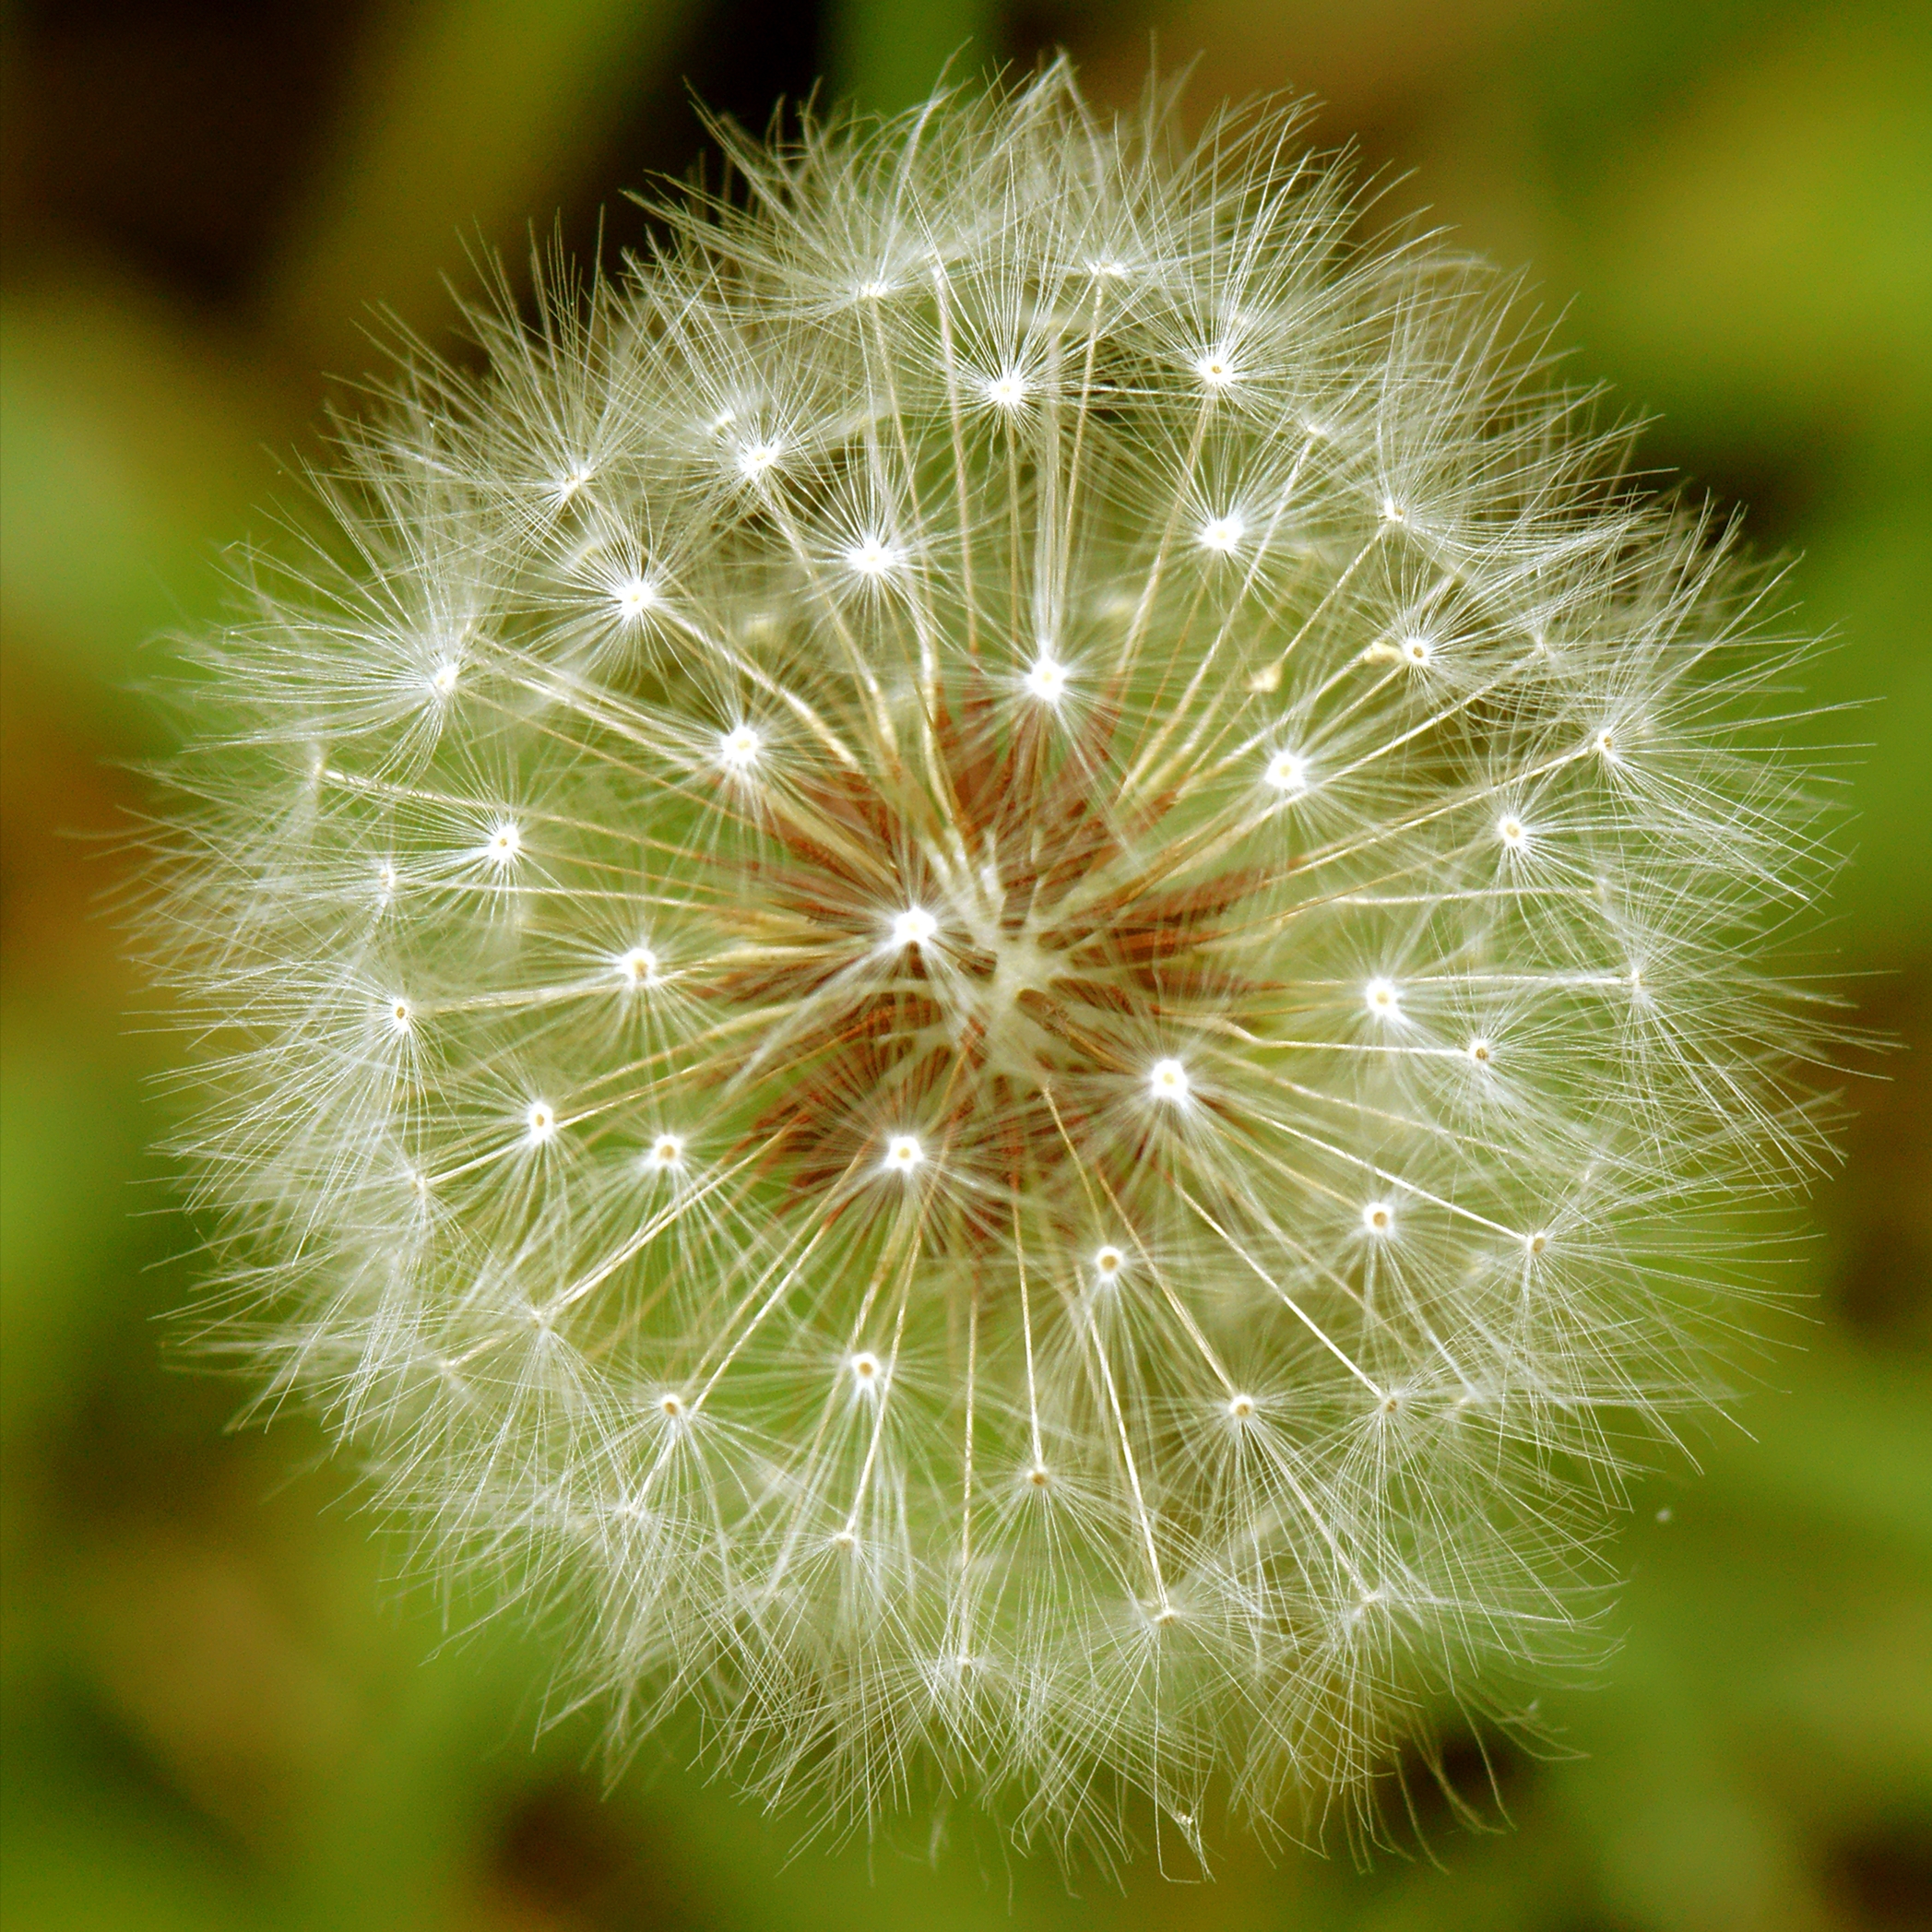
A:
x: 983, y: 952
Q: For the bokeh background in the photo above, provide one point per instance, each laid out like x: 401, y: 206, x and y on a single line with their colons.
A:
x: 222, y: 1709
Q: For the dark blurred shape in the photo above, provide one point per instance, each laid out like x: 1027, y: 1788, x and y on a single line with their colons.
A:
x: 1468, y: 1780
x: 169, y: 132
x: 1884, y: 1876
x: 177, y: 137
x: 567, y: 1860
x: 737, y: 60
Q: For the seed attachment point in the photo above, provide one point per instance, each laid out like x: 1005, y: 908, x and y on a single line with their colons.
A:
x: 1287, y: 773
x: 1007, y: 390
x: 638, y: 966
x: 755, y: 460
x: 1167, y: 1080
x: 1047, y: 679
x: 873, y: 558
x: 635, y: 597
x: 914, y: 927
x: 1216, y: 370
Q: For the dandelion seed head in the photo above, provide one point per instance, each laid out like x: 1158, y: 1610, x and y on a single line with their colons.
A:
x: 1057, y: 1256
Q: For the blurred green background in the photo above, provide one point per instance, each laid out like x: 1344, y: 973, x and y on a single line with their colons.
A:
x: 221, y: 1708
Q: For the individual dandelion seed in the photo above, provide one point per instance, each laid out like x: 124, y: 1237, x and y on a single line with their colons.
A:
x: 1083, y: 954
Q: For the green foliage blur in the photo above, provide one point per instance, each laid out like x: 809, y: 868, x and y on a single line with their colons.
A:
x: 221, y: 1708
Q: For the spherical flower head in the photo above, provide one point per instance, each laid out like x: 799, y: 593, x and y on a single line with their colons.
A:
x: 1015, y: 1071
